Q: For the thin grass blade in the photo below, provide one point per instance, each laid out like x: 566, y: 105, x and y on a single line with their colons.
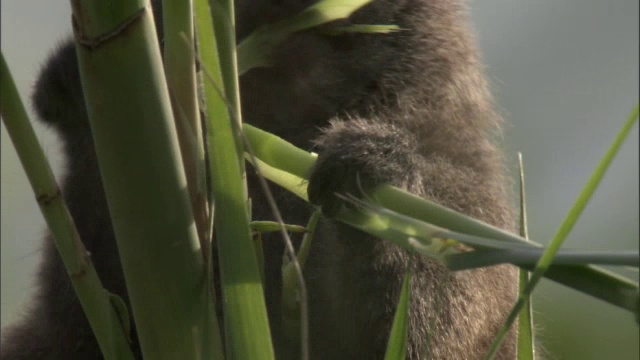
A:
x: 566, y: 226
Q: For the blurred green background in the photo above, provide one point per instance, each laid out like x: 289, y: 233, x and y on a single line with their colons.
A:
x: 565, y: 75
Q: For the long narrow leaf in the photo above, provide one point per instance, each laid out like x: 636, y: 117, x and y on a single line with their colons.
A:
x: 526, y: 347
x: 246, y: 326
x: 180, y: 70
x: 430, y: 240
x: 397, y: 346
x: 257, y: 48
x: 528, y: 258
x: 567, y: 224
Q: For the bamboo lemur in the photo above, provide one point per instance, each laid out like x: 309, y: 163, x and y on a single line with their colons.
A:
x: 410, y: 108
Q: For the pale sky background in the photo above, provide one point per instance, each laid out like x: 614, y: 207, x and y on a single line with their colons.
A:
x: 565, y: 73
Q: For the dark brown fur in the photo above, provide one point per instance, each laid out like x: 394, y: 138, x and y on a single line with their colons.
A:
x: 409, y: 108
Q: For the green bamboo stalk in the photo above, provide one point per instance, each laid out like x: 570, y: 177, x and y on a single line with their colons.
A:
x: 246, y: 324
x: 137, y: 149
x: 223, y: 19
x: 95, y: 300
x: 180, y: 70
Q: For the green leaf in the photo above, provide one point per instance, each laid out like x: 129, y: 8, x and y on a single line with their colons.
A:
x: 247, y: 332
x: 525, y: 342
x: 397, y: 346
x: 256, y: 49
x: 361, y: 28
x: 123, y: 314
x: 128, y: 101
x: 566, y: 226
x: 180, y: 71
x: 272, y: 226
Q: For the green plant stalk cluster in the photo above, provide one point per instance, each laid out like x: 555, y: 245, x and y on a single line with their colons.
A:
x: 131, y: 121
x: 102, y: 314
x: 180, y: 70
x: 247, y: 332
x: 100, y: 29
